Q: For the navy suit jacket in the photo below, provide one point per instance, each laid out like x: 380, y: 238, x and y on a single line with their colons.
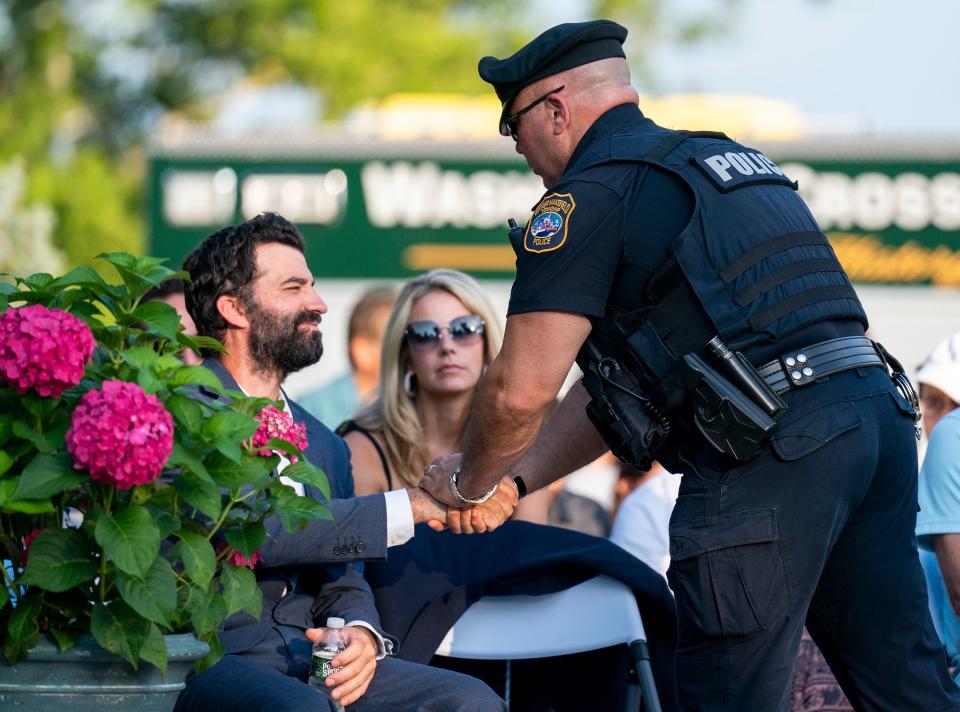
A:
x: 312, y: 574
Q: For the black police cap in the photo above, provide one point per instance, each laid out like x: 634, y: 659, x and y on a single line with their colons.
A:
x: 558, y: 49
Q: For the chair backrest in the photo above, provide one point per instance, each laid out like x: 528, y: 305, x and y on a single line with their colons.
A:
x: 595, y: 614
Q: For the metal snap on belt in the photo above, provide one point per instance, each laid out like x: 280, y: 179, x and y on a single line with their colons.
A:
x: 807, y: 371
x: 801, y: 358
x: 791, y: 361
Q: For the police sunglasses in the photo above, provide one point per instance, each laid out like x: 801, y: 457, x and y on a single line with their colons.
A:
x: 510, y: 125
x: 424, y: 335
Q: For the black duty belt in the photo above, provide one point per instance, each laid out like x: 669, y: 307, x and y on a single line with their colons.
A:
x: 802, y: 366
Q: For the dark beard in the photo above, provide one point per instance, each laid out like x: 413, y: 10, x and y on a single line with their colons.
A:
x: 277, y: 345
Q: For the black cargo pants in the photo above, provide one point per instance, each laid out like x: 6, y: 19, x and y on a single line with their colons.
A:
x: 819, y: 530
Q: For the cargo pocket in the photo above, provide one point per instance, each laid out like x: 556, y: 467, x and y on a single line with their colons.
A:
x: 727, y: 573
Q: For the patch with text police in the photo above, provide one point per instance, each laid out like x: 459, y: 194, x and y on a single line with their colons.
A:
x: 733, y: 169
x: 547, y: 229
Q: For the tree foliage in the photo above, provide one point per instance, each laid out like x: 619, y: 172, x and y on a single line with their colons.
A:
x: 83, y: 82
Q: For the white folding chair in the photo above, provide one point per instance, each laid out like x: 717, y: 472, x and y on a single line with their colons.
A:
x: 597, y: 613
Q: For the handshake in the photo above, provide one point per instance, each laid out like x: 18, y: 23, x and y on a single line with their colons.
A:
x: 434, y: 503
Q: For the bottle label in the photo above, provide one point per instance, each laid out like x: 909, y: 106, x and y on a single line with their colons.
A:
x: 320, y: 667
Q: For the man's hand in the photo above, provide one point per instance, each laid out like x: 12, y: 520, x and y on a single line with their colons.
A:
x: 357, y: 663
x: 436, y: 478
x: 487, y: 516
x: 427, y: 509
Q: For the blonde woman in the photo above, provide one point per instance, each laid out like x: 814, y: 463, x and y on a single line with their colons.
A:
x: 440, y: 336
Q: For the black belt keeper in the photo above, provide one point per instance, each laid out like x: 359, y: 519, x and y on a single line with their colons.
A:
x: 800, y: 367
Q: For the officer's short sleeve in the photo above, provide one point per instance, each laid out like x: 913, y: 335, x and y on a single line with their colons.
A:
x: 939, y: 492
x: 567, y: 258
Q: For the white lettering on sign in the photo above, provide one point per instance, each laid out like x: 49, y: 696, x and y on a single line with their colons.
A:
x: 876, y: 201
x: 415, y: 195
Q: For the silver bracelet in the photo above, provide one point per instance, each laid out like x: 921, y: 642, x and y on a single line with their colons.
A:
x: 454, y: 476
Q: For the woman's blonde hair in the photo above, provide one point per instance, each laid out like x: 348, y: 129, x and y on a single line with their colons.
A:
x: 393, y: 411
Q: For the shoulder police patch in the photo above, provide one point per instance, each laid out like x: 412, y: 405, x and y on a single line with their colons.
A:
x: 733, y: 169
x: 547, y: 228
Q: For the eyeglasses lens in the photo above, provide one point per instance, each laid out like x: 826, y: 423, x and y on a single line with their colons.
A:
x: 463, y: 330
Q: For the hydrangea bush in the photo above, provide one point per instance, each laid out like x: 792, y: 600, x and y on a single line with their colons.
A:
x: 129, y: 506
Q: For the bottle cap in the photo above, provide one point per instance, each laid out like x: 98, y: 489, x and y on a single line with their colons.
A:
x: 335, y: 622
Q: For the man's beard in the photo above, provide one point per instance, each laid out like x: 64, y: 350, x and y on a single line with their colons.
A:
x: 278, y: 344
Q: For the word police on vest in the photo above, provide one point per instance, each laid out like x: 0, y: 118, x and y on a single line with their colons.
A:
x: 735, y: 168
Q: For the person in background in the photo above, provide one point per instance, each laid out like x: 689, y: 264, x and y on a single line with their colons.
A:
x: 642, y: 521
x: 439, y: 338
x: 171, y: 292
x: 339, y: 399
x: 938, y: 522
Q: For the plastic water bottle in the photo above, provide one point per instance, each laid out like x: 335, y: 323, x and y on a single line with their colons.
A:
x: 324, y: 651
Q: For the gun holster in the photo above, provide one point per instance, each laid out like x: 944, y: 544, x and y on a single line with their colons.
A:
x: 730, y: 421
x: 629, y: 423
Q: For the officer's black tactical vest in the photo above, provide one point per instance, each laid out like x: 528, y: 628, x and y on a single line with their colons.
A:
x: 752, y: 254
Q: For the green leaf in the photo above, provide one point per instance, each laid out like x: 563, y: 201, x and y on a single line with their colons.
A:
x: 155, y: 597
x: 207, y: 610
x: 197, y: 343
x: 59, y: 560
x: 66, y: 637
x: 83, y: 276
x: 38, y: 282
x: 198, y: 557
x: 232, y: 475
x: 199, y: 492
x: 246, y: 539
x: 26, y: 506
x: 47, y: 475
x: 6, y: 427
x: 216, y: 652
x: 150, y: 382
x: 186, y: 411
x: 309, y: 474
x: 195, y: 376
x: 294, y: 511
x: 229, y: 426
x: 4, y: 595
x: 181, y: 458
x: 231, y: 450
x: 160, y: 317
x: 154, y: 650
x: 119, y: 629
x: 240, y: 591
x: 23, y: 631
x: 118, y: 259
x: 46, y: 443
x: 131, y: 539
x: 140, y: 357
x: 6, y: 462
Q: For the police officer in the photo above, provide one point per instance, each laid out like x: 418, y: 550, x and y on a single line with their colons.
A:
x: 719, y: 334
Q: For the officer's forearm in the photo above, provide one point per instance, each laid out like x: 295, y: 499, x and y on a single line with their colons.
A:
x: 500, y: 428
x: 566, y: 442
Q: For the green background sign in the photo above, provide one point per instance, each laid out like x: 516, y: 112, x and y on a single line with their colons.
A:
x: 389, y: 210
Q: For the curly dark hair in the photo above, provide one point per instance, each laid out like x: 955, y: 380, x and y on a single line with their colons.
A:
x: 225, y: 264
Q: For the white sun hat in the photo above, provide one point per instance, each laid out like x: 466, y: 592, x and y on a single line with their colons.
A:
x: 941, y: 369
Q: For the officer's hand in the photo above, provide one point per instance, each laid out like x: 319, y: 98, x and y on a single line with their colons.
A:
x: 436, y: 478
x: 357, y: 663
x: 487, y: 516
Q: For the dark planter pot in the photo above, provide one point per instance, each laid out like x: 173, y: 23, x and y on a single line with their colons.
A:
x: 89, y: 678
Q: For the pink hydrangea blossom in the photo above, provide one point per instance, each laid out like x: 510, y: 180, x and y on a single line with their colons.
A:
x: 27, y: 541
x: 43, y: 349
x: 276, y: 423
x: 237, y: 559
x: 120, y: 435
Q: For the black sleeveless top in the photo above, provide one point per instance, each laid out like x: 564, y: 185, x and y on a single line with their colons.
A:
x: 350, y: 426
